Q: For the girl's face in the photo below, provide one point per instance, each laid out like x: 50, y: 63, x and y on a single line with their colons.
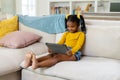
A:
x: 72, y: 26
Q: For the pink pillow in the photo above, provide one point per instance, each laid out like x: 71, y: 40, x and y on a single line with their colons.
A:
x: 19, y: 39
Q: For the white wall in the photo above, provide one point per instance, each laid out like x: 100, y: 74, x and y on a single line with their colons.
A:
x: 18, y: 7
x: 0, y: 6
x: 8, y: 6
x: 42, y: 7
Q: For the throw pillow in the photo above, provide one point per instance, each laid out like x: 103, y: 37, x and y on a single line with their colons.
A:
x: 19, y: 39
x: 8, y: 25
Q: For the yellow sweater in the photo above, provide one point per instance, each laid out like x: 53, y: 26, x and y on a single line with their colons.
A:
x: 73, y: 40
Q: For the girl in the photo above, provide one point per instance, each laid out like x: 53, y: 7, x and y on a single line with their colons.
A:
x: 73, y: 38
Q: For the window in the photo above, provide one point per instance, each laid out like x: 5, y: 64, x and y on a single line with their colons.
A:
x: 29, y: 7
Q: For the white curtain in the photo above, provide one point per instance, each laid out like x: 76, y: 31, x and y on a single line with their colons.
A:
x: 29, y: 7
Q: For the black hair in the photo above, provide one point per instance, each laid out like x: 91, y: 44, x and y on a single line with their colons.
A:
x: 74, y: 18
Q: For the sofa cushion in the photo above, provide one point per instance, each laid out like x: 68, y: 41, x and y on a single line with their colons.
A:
x: 10, y: 59
x: 35, y: 76
x: 102, y: 22
x: 102, y: 41
x: 88, y: 68
x: 19, y: 39
x: 58, y: 37
x: 8, y: 25
x: 46, y: 36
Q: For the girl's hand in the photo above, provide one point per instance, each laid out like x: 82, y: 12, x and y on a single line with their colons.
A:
x: 69, y: 53
x: 50, y: 51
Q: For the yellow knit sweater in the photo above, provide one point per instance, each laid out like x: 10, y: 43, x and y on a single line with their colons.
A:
x: 73, y: 40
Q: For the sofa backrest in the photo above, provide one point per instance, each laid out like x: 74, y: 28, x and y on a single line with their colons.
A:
x: 45, y: 36
x: 102, y: 39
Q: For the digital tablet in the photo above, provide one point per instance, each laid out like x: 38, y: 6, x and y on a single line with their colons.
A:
x: 57, y: 48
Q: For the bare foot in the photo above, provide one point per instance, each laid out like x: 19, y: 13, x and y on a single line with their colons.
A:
x: 28, y: 59
x: 34, y: 62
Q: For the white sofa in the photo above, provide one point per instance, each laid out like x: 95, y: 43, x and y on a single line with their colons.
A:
x: 101, y: 60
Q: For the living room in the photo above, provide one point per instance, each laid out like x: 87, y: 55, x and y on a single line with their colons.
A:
x: 23, y: 29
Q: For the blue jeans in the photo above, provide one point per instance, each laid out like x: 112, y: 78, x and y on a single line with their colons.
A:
x: 78, y: 55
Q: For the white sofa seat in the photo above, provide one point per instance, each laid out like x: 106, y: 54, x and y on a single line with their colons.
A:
x: 10, y: 59
x: 88, y: 68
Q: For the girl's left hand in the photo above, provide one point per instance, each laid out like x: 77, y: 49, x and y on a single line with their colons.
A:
x: 69, y: 53
x: 50, y: 51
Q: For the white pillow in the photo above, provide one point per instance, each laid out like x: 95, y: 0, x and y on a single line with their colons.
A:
x: 103, y: 41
